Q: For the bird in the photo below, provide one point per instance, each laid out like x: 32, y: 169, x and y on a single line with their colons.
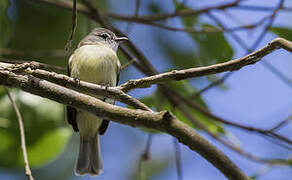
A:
x: 95, y: 60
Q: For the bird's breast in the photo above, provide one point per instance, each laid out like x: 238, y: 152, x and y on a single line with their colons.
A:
x: 95, y: 64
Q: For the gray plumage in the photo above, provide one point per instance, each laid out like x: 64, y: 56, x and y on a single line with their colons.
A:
x: 95, y: 60
x: 89, y: 157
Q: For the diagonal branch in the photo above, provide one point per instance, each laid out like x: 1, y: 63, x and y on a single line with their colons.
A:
x: 68, y: 46
x: 22, y: 136
x: 142, y: 19
x: 162, y: 121
x: 192, y: 104
x: 81, y: 86
x: 232, y: 65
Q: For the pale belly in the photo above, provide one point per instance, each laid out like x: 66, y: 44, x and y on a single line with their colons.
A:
x: 99, y: 66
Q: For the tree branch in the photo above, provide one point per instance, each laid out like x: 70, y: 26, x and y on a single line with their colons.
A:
x: 22, y: 136
x: 142, y: 19
x: 74, y: 24
x: 162, y: 121
x: 208, y: 70
x: 78, y: 85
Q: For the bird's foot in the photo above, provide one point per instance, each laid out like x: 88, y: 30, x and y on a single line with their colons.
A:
x: 77, y: 81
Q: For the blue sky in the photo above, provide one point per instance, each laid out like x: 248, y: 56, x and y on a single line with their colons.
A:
x: 254, y: 97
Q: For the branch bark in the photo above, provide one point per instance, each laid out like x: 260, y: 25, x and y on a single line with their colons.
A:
x: 208, y: 70
x: 162, y: 121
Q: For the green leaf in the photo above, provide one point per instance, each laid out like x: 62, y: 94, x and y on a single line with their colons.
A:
x: 181, y: 59
x: 159, y: 102
x: 154, y: 8
x: 5, y: 24
x: 213, y: 47
x: 213, y: 78
x: 2, y: 92
x: 152, y: 102
x: 282, y: 32
x: 42, y: 120
x: 4, y: 123
x: 48, y: 147
x: 150, y: 168
x: 42, y: 27
x: 188, y: 21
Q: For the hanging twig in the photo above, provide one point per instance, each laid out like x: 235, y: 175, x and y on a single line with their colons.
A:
x: 74, y: 24
x: 177, y: 154
x: 128, y: 64
x: 22, y: 136
x: 145, y: 156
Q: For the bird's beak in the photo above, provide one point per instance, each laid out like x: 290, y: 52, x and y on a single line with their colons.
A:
x: 121, y: 39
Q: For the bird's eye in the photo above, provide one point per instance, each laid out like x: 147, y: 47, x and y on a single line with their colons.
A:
x: 104, y: 36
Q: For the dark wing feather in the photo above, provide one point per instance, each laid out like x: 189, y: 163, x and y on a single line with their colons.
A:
x: 103, y: 127
x: 71, y: 112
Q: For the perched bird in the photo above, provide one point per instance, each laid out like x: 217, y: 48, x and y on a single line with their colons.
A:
x: 95, y: 61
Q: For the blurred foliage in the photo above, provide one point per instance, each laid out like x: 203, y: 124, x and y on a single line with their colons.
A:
x: 212, y: 47
x: 154, y: 8
x: 147, y: 169
x: 282, y: 32
x: 188, y: 21
x: 158, y: 102
x: 42, y: 118
x: 5, y: 24
x: 36, y: 26
x: 49, y: 30
x: 43, y: 27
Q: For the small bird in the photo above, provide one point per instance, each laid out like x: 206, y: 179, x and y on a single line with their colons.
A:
x: 95, y: 61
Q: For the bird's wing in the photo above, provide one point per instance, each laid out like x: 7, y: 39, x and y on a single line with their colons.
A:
x: 104, y: 125
x: 71, y: 112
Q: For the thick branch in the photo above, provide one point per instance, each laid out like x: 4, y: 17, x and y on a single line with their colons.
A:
x: 30, y: 68
x: 162, y: 121
x: 208, y: 70
x: 86, y: 87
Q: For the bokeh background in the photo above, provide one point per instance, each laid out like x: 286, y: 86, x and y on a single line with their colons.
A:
x: 34, y: 31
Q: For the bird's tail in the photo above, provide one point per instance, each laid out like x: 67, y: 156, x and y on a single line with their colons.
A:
x: 89, y: 157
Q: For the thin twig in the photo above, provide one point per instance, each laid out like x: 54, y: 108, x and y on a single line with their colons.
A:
x: 261, y: 8
x: 180, y: 104
x: 270, y: 67
x: 205, y: 112
x: 280, y: 124
x: 233, y: 35
x: 145, y: 156
x: 136, y: 13
x: 22, y: 136
x: 211, y: 85
x: 229, y: 145
x: 177, y: 154
x: 165, y: 16
x: 163, y: 121
x: 146, y: 153
x: 148, y: 69
x: 242, y: 44
x: 128, y: 64
x: 74, y: 24
x: 270, y: 23
x: 208, y: 70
